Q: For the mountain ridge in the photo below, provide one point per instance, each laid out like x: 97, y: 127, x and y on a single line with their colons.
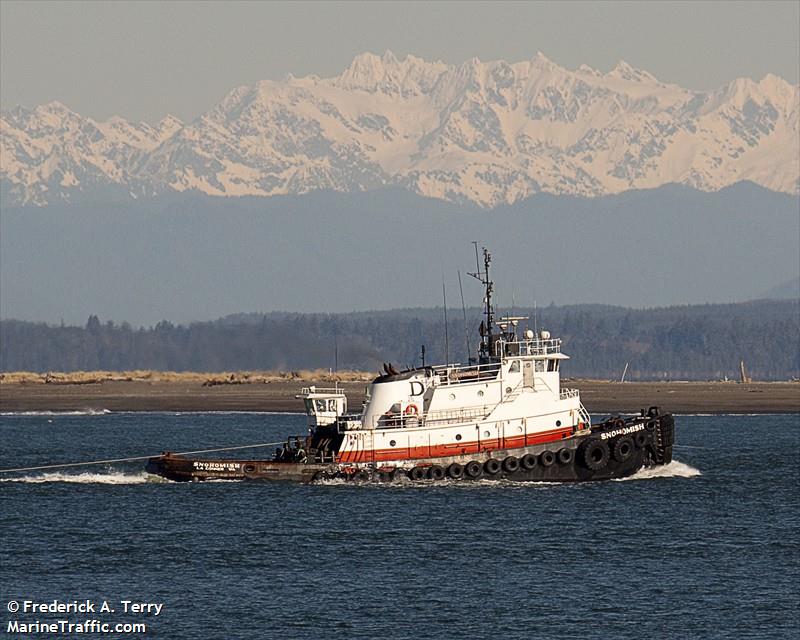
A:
x: 487, y: 133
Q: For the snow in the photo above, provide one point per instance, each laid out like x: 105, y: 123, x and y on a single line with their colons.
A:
x: 488, y: 132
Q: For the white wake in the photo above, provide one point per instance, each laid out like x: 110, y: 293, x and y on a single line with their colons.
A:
x: 674, y: 469
x: 117, y: 477
x: 82, y: 412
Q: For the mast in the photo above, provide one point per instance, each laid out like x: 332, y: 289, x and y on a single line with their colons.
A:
x: 483, y: 277
x: 446, y: 341
x: 470, y: 359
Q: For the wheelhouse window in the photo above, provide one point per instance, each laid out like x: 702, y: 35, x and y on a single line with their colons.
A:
x: 514, y: 368
x: 552, y: 365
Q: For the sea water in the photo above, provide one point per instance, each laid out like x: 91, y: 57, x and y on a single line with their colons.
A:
x: 707, y: 547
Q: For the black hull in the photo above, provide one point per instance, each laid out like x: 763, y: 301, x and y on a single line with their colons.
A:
x: 614, y: 449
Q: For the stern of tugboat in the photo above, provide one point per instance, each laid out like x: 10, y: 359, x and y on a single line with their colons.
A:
x: 664, y: 437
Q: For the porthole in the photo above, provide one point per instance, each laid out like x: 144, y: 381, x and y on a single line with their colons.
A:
x: 458, y: 436
x: 519, y: 429
x: 509, y: 389
x: 452, y: 396
x: 480, y: 393
x: 486, y: 434
x: 392, y: 443
x: 558, y: 423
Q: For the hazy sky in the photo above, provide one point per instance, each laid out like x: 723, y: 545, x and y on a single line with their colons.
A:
x: 142, y: 60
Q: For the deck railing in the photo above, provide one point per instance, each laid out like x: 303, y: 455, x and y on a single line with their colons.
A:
x: 322, y: 390
x: 459, y: 374
x: 457, y: 415
x: 532, y: 347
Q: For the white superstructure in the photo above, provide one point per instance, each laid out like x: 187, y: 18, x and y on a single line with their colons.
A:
x: 509, y: 400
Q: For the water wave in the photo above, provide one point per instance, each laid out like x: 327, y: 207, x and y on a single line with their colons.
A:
x: 115, y: 477
x: 81, y: 412
x: 674, y: 469
x: 731, y: 415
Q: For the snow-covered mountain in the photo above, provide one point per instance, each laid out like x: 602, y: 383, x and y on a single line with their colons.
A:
x: 482, y: 132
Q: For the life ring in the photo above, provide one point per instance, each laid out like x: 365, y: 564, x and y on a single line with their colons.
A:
x: 412, y: 410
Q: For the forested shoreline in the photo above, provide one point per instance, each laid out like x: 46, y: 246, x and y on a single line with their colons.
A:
x: 697, y: 342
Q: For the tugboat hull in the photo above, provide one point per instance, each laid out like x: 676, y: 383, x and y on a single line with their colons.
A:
x: 181, y: 469
x: 614, y: 449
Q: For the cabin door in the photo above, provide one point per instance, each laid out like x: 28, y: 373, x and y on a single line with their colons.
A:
x: 527, y: 374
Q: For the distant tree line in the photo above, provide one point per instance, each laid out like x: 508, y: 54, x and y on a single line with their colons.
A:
x: 682, y: 342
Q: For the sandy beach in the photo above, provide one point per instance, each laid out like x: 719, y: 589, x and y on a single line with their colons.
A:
x: 599, y: 397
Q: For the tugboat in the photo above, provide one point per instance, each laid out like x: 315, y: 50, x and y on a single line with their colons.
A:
x: 503, y: 415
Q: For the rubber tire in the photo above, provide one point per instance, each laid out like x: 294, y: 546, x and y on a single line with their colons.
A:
x: 360, y: 476
x: 565, y: 456
x: 640, y: 439
x: 397, y: 475
x: 473, y: 470
x: 547, y: 458
x: 593, y: 448
x: 492, y: 466
x: 528, y: 461
x: 622, y: 448
x: 455, y: 471
x: 417, y: 473
x: 435, y: 472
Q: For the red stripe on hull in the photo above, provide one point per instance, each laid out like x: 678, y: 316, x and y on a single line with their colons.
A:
x: 455, y: 448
